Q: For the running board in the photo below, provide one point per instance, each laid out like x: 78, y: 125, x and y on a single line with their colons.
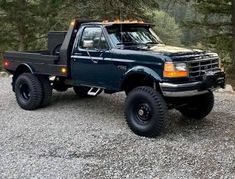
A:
x: 93, y: 91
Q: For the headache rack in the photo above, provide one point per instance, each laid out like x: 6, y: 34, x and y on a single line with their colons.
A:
x: 198, y: 67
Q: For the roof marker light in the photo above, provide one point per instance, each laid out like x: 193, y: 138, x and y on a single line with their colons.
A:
x: 72, y: 23
x: 118, y: 21
x: 105, y: 21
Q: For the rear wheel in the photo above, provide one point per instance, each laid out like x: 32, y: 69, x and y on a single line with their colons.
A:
x: 145, y: 111
x: 198, y: 107
x: 28, y: 91
x: 47, y: 91
x: 60, y: 87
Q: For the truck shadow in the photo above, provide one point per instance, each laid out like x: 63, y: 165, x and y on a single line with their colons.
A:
x: 216, y: 125
x: 107, y: 105
x: 111, y: 107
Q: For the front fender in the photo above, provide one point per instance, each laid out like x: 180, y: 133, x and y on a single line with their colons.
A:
x: 145, y: 71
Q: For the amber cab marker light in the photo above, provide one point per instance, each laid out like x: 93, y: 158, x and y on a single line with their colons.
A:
x: 171, y: 72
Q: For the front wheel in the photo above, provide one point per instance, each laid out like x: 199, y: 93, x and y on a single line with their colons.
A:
x: 198, y: 107
x: 145, y: 111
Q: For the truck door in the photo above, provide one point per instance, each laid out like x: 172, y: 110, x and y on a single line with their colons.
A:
x: 87, y: 62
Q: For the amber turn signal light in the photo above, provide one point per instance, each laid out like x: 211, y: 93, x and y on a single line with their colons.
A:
x: 172, y: 70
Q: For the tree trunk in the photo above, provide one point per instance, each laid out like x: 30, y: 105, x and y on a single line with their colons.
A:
x: 233, y: 22
x: 22, y: 42
x: 21, y: 27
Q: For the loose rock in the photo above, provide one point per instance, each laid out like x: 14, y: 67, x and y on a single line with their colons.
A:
x: 88, y: 138
x: 4, y: 74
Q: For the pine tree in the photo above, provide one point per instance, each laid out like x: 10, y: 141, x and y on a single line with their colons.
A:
x: 217, y: 15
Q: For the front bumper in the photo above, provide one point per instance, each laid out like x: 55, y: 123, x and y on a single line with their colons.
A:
x: 210, y: 82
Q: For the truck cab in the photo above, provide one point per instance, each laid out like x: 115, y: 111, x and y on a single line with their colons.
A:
x: 119, y: 56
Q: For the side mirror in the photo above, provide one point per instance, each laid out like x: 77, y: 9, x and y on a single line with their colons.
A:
x: 88, y: 44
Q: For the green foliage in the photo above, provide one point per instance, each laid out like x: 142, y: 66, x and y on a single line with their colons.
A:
x: 217, y: 24
x: 166, y: 27
x: 25, y: 23
x: 205, y: 22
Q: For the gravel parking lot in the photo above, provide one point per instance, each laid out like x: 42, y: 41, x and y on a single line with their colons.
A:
x: 88, y: 138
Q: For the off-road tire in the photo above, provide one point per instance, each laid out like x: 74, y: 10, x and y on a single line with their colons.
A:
x: 46, y: 91
x: 198, y: 106
x: 154, y: 110
x: 82, y: 91
x: 28, y: 91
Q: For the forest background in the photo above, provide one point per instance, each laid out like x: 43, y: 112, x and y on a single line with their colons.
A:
x: 203, y: 24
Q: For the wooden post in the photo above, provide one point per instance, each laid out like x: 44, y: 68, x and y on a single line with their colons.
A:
x: 233, y: 27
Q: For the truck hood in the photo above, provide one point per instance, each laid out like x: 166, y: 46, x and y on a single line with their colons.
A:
x: 166, y: 49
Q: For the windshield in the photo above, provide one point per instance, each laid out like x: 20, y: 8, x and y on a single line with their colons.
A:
x: 132, y: 35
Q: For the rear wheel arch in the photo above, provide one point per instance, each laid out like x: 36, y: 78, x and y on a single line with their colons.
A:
x: 22, y: 68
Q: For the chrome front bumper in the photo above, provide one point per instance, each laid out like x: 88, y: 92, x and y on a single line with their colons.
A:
x: 182, y: 90
x: 210, y: 82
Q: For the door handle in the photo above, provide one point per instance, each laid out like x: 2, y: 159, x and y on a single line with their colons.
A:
x: 78, y: 54
x: 94, y: 61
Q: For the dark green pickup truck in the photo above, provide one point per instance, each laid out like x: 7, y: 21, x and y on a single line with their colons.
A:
x: 93, y: 57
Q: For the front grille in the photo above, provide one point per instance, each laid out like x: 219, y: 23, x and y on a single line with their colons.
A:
x: 198, y: 68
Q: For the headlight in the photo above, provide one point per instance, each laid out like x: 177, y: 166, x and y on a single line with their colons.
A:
x: 175, y: 70
x: 181, y: 67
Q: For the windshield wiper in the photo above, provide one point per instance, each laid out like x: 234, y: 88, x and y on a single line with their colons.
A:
x: 126, y: 43
x: 131, y: 44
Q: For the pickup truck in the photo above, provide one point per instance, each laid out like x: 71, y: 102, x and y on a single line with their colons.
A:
x: 94, y: 57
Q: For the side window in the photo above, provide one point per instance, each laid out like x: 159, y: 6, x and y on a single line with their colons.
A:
x: 103, y: 43
x: 93, y: 38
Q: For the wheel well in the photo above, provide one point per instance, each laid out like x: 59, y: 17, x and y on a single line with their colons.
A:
x: 22, y: 69
x: 136, y: 80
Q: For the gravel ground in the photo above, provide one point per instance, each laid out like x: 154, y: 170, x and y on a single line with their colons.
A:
x: 88, y: 138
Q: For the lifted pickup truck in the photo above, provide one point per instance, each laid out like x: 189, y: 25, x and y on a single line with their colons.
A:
x: 119, y: 56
